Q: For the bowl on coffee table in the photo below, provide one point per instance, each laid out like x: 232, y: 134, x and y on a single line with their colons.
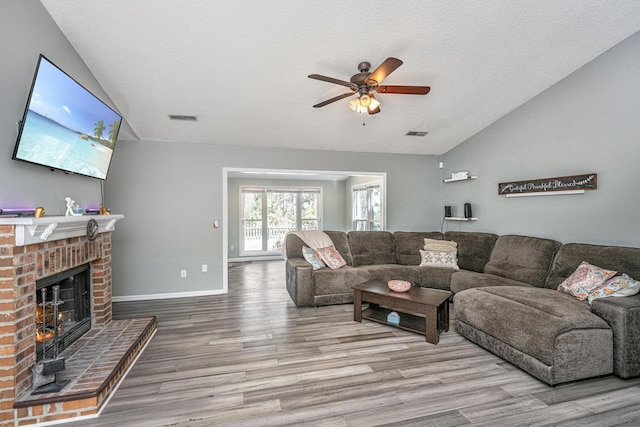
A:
x: 399, y: 285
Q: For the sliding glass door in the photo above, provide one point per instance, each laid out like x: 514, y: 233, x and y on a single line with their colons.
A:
x: 268, y: 213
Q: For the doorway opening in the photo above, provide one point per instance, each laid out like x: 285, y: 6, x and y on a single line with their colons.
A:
x: 231, y: 229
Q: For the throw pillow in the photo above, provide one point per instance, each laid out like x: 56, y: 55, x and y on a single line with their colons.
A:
x: 445, y: 259
x: 584, y: 280
x: 619, y: 286
x: 312, y: 258
x: 331, y: 257
x: 440, y: 245
x: 443, y: 245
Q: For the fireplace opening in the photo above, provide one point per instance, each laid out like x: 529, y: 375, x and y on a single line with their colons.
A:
x: 73, y: 310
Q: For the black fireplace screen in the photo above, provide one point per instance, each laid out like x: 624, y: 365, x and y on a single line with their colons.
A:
x: 73, y: 310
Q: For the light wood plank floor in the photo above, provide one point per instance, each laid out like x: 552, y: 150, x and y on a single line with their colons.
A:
x: 252, y: 358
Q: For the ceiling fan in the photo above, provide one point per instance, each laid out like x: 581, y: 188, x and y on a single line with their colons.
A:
x: 364, y: 82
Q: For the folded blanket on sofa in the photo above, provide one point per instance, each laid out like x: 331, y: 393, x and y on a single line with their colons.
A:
x: 315, y: 239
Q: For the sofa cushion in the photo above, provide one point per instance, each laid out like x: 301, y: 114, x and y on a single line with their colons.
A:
x: 522, y: 258
x: 329, y: 282
x: 474, y: 249
x: 435, y: 277
x: 570, y: 255
x: 386, y: 272
x: 463, y: 280
x: 372, y: 247
x: 408, y: 243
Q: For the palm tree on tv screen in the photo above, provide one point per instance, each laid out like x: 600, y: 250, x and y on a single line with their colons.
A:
x: 113, y: 131
x: 99, y: 128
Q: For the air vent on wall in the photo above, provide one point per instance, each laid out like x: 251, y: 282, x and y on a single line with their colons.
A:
x: 416, y: 133
x: 184, y: 118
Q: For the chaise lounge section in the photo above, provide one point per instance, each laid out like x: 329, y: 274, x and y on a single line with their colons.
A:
x: 552, y: 335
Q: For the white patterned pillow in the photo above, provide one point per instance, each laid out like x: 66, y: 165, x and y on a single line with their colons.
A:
x: 331, y: 257
x: 445, y: 259
x: 619, y: 286
x: 585, y: 280
x: 312, y: 258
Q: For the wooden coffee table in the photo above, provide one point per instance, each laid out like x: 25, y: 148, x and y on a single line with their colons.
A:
x: 421, y: 310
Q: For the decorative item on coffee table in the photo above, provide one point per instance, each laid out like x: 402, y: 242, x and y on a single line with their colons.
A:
x: 399, y: 285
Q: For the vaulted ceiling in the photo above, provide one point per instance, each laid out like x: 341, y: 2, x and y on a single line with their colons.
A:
x: 241, y: 67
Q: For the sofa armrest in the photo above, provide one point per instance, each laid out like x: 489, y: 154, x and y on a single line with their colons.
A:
x: 623, y: 316
x: 299, y: 281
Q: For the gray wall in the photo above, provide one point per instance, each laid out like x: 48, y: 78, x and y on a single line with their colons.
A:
x: 333, y: 195
x: 171, y: 193
x: 588, y: 122
x: 27, y: 30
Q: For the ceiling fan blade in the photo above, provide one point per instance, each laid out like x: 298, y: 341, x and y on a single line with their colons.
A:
x: 387, y: 67
x: 407, y: 90
x: 332, y: 80
x: 334, y: 99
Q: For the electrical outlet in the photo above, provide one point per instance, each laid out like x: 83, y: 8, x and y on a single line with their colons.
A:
x: 232, y: 248
x: 205, y: 268
x: 183, y: 273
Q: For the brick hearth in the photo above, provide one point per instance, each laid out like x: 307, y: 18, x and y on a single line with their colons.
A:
x: 28, y: 252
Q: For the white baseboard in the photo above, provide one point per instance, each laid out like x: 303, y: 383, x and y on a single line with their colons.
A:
x: 257, y: 258
x: 167, y: 295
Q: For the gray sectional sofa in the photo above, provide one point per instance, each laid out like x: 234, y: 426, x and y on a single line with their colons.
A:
x: 505, y: 295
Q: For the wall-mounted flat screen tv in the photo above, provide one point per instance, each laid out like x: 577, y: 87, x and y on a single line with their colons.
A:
x: 65, y: 126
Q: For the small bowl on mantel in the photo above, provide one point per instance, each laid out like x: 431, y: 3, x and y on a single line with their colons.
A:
x: 399, y: 285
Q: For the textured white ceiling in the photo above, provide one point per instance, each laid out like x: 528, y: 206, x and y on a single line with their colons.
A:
x: 241, y: 66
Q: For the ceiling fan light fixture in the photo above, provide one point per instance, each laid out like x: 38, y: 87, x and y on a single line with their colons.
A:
x: 355, y: 105
x: 365, y: 100
x: 364, y: 104
x: 374, y: 103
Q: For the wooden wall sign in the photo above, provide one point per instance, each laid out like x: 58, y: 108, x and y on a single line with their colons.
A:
x: 562, y: 183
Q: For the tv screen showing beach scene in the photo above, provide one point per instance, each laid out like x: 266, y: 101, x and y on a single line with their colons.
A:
x: 65, y: 126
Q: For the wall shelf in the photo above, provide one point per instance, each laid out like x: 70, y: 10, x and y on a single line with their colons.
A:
x: 460, y: 179
x: 455, y: 218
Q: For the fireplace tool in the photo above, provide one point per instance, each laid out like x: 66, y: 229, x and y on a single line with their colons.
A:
x: 44, y: 372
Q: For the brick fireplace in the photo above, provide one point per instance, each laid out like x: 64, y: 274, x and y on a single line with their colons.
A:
x: 32, y: 249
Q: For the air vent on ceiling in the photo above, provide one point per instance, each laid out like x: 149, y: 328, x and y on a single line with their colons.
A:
x: 416, y: 133
x: 184, y: 118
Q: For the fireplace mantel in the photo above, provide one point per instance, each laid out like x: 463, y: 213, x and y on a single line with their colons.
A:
x: 31, y: 230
